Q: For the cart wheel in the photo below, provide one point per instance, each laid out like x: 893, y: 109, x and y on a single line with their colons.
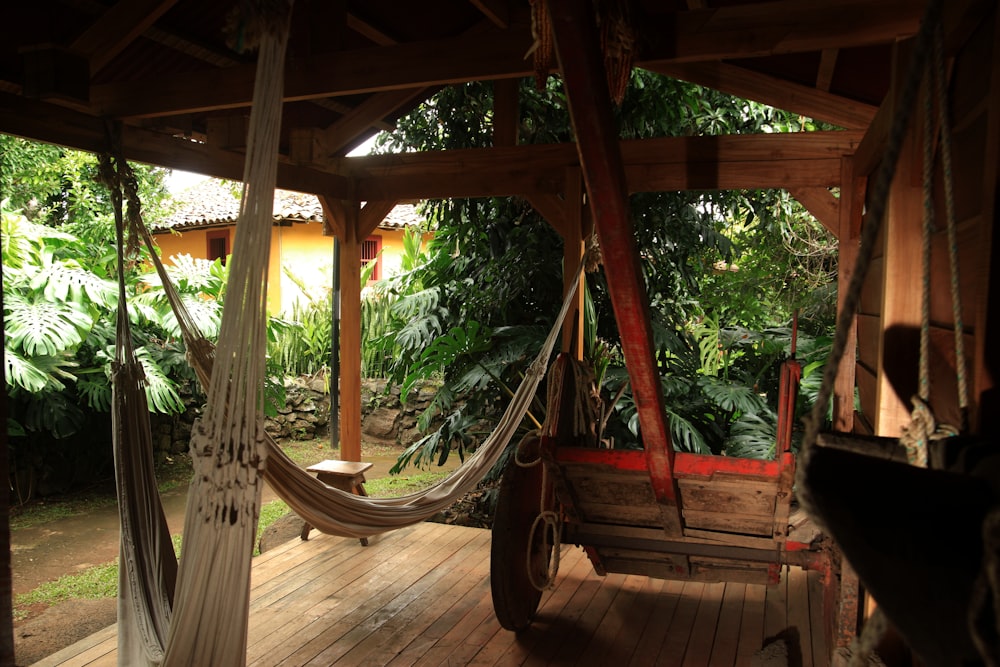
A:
x: 515, y: 599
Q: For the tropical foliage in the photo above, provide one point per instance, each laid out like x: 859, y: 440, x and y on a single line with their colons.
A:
x: 492, y: 282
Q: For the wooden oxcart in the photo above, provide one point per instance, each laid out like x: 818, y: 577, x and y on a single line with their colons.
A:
x: 733, y: 512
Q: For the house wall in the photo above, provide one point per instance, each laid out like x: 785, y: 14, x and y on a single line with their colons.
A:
x: 301, y: 248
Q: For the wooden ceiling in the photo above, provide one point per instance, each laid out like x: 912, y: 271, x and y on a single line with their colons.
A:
x: 163, y: 68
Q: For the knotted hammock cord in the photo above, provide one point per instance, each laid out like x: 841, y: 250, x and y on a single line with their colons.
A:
x: 211, y: 606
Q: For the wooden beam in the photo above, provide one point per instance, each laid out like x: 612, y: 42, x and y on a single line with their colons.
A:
x: 57, y: 125
x: 120, y: 25
x: 787, y: 26
x: 552, y: 208
x: 827, y: 66
x: 784, y: 26
x: 671, y: 163
x: 376, y: 35
x: 484, y: 55
x: 821, y: 203
x: 371, y: 214
x: 589, y: 103
x: 496, y: 11
x: 960, y: 17
x: 573, y: 250
x: 506, y: 119
x: 851, y: 208
x: 742, y: 82
x: 344, y: 216
x: 900, y: 301
x: 339, y: 135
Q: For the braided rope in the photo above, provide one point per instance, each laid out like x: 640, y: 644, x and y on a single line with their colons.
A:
x: 949, y: 197
x: 882, y: 182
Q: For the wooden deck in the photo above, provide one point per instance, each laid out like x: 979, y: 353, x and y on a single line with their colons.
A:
x: 421, y: 596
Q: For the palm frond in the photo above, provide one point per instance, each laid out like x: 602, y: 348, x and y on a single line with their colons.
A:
x: 685, y: 436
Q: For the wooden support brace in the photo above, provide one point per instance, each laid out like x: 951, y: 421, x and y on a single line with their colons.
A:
x: 601, y: 161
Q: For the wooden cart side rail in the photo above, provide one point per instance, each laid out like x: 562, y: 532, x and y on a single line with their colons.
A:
x: 685, y: 463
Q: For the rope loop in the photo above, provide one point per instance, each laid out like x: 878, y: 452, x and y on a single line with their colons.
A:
x: 520, y: 449
x: 551, y: 532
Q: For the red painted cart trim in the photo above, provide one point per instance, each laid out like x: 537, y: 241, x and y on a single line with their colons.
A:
x: 685, y: 464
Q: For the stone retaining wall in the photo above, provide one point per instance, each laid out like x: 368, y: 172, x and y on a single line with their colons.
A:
x: 306, y: 415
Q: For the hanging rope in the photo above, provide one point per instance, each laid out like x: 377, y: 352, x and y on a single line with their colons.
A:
x: 547, y: 525
x: 882, y: 182
x: 923, y: 426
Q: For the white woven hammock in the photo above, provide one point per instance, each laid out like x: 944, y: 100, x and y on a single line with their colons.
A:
x: 232, y: 453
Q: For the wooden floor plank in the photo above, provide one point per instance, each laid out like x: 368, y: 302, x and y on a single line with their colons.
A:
x: 80, y: 652
x: 516, y: 647
x: 798, y: 632
x: 776, y: 606
x: 395, y: 590
x: 817, y: 622
x: 358, y: 601
x: 446, y: 649
x: 655, y: 632
x: 380, y: 647
x: 673, y: 649
x: 727, y: 634
x: 706, y: 622
x: 620, y: 614
x: 422, y: 597
x: 587, y: 625
x: 440, y: 625
x: 560, y: 627
x: 751, y: 623
x: 640, y: 617
x: 327, y: 591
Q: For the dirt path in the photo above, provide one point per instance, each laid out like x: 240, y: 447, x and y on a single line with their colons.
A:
x: 48, y: 551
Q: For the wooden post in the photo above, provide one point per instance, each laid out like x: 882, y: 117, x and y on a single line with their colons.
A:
x: 342, y: 219
x: 573, y: 249
x: 850, y: 210
x: 901, y: 277
x: 350, y: 337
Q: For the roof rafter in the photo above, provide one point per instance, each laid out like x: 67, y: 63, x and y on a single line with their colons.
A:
x: 496, y: 54
x: 766, y: 89
x: 65, y: 127
x: 118, y: 28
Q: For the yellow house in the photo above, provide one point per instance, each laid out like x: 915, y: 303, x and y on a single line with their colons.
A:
x: 204, y: 226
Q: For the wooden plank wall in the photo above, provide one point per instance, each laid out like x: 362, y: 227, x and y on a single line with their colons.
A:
x: 889, y: 317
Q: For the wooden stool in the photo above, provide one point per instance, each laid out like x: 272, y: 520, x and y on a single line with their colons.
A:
x: 344, y: 475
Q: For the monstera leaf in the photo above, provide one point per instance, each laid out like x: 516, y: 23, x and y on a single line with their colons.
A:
x: 44, y: 328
